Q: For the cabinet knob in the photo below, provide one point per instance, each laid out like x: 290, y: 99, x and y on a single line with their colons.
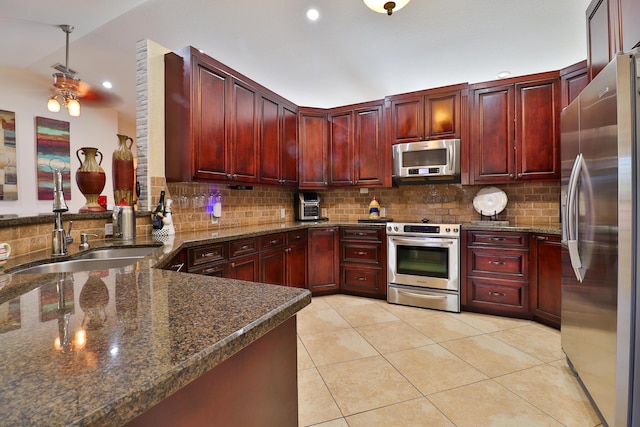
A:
x: 519, y: 175
x: 229, y: 176
x: 326, y: 183
x: 510, y: 175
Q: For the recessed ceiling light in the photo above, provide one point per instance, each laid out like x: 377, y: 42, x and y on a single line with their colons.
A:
x: 107, y: 84
x: 503, y: 74
x: 313, y: 14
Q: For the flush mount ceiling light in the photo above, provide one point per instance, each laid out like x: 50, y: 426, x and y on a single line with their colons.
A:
x: 66, y: 84
x: 384, y: 6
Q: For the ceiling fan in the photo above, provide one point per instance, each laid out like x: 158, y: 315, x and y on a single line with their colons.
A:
x: 69, y: 89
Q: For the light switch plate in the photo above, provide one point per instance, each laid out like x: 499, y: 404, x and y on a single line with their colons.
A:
x: 283, y: 213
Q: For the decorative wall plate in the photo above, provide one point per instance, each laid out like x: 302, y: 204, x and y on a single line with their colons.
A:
x: 490, y: 201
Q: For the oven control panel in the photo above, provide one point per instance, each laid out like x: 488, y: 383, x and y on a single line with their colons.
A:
x: 421, y: 229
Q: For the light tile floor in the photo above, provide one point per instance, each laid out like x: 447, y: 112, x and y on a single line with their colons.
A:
x: 364, y: 362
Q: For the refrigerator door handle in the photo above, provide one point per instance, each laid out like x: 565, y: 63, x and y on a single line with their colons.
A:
x: 572, y: 219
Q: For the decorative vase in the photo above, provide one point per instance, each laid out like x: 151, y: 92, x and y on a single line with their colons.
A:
x: 122, y: 170
x: 90, y: 178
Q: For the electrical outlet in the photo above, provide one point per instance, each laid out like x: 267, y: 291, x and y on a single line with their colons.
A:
x: 383, y: 212
x: 283, y: 213
x: 364, y: 191
x: 325, y: 212
x: 108, y: 229
x: 214, y: 219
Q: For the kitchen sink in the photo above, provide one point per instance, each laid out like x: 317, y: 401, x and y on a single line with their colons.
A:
x: 121, y: 252
x: 97, y: 259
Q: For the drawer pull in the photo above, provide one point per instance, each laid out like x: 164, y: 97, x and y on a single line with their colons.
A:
x: 498, y: 239
x: 244, y: 247
x: 497, y: 294
x: 177, y: 267
x: 273, y: 242
x: 361, y: 253
x: 361, y: 234
x: 362, y: 279
x: 209, y: 254
x: 212, y: 270
x: 496, y: 262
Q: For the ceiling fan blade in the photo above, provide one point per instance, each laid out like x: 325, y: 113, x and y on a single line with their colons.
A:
x: 97, y: 97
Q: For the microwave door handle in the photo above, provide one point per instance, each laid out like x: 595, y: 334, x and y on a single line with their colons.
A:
x: 430, y: 243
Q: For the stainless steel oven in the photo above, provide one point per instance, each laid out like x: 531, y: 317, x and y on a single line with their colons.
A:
x: 424, y: 265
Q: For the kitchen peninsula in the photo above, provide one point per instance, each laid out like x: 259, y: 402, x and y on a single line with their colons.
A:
x: 102, y: 347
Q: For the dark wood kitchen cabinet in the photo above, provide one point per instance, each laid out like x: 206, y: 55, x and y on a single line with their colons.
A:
x: 363, y: 259
x: 612, y: 27
x: 515, y: 130
x: 428, y: 114
x: 296, y: 259
x: 278, y: 142
x: 573, y: 79
x: 356, y: 141
x: 272, y: 258
x: 323, y: 260
x: 546, y: 279
x: 211, y: 120
x: 209, y: 260
x: 495, y: 273
x: 243, y: 260
x: 313, y: 165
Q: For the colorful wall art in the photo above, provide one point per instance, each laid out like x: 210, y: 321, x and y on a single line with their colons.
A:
x: 53, y: 145
x: 8, y: 159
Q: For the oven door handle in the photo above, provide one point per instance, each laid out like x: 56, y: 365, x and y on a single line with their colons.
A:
x: 433, y: 243
x: 422, y: 295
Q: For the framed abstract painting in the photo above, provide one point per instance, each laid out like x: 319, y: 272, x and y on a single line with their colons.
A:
x: 53, y: 146
x: 8, y: 159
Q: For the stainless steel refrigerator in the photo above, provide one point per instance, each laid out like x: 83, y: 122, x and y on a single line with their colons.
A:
x: 599, y: 203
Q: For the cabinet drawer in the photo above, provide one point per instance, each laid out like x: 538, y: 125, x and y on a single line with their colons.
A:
x: 361, y: 279
x: 271, y: 241
x: 502, y: 262
x: 499, y: 293
x: 362, y: 233
x: 206, y: 254
x: 498, y: 239
x: 360, y: 253
x: 242, y: 247
x: 296, y: 237
x: 215, y: 270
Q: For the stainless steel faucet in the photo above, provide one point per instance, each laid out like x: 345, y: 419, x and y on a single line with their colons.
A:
x: 59, y: 238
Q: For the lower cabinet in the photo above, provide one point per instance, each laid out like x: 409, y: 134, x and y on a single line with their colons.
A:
x: 209, y: 260
x: 496, y: 273
x: 323, y: 260
x: 296, y: 259
x: 363, y: 261
x: 546, y: 279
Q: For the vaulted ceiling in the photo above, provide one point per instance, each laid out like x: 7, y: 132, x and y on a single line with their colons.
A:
x: 350, y: 54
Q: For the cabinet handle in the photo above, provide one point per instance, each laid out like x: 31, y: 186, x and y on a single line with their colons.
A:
x: 519, y: 175
x: 177, y: 267
x: 288, y: 250
x: 212, y: 270
x: 541, y: 238
x: 498, y: 239
x: 361, y: 278
x: 229, y: 176
x: 273, y: 242
x: 361, y: 253
x: 360, y: 234
x: 326, y: 183
x: 244, y: 247
x: 510, y: 175
x: 209, y: 254
x: 497, y: 294
x: 496, y: 262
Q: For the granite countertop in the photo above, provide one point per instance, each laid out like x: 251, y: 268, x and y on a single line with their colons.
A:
x: 554, y: 229
x: 148, y: 333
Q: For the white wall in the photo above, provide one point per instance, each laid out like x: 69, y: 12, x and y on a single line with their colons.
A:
x: 26, y: 95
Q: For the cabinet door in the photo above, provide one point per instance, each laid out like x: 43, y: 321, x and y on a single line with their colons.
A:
x: 572, y: 80
x: 341, y: 148
x: 296, y: 265
x: 537, y: 146
x: 442, y: 116
x: 289, y: 147
x: 210, y: 156
x: 370, y: 152
x: 602, y: 37
x: 313, y: 150
x: 630, y: 16
x: 492, y: 133
x: 243, y: 143
x: 407, y: 119
x: 546, y: 279
x: 272, y: 267
x: 244, y: 268
x: 269, y: 141
x: 323, y: 260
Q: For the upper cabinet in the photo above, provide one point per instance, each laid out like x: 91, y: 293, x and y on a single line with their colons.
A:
x: 572, y: 80
x: 343, y: 147
x: 428, y: 114
x: 217, y: 121
x: 612, y: 26
x: 515, y: 129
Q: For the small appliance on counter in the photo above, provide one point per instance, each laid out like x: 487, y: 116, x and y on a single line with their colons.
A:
x: 306, y: 206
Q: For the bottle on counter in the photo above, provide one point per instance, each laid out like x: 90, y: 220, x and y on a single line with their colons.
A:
x: 159, y: 213
x: 374, y: 209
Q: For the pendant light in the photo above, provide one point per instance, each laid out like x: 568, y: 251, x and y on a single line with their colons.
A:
x: 66, y: 85
x: 385, y: 6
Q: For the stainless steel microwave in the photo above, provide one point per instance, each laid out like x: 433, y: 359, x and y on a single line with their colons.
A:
x: 427, y: 160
